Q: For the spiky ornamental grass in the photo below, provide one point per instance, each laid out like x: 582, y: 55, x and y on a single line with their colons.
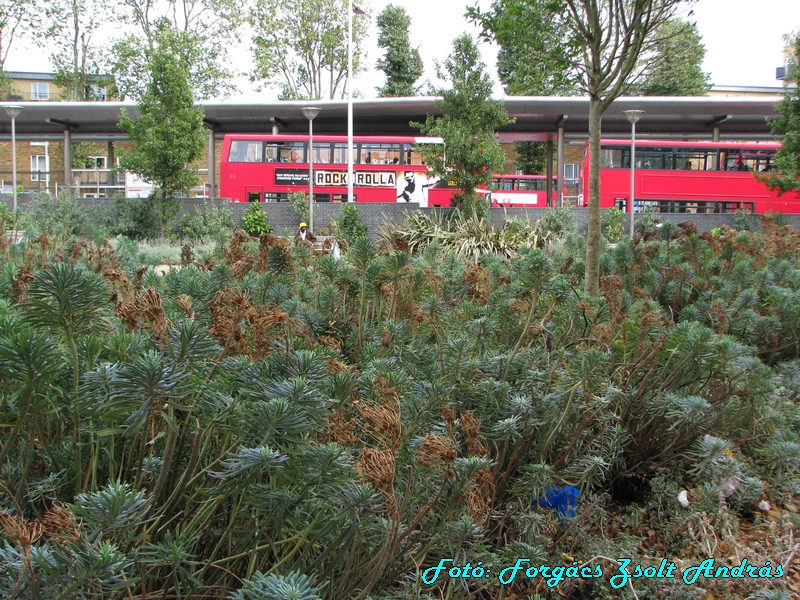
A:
x: 280, y: 425
x: 470, y: 237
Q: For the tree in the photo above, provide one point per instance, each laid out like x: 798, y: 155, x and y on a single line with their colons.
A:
x: 76, y: 62
x: 531, y: 157
x: 468, y: 124
x: 519, y: 59
x: 169, y: 133
x: 402, y: 63
x: 599, y: 44
x: 786, y: 177
x: 301, y: 47
x: 676, y: 69
x: 208, y: 28
x: 520, y: 70
x: 16, y: 19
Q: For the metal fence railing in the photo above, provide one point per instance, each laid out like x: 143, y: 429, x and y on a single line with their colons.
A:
x: 93, y: 183
x: 34, y: 97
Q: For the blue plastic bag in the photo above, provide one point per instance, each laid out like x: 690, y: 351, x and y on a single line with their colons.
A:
x: 562, y: 499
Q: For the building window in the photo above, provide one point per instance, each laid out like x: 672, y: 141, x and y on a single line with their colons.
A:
x: 40, y: 90
x: 571, y: 175
x: 99, y: 162
x: 39, y: 167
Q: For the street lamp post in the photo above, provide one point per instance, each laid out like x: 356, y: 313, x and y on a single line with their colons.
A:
x: 310, y: 112
x: 13, y: 112
x: 351, y: 9
x: 633, y: 116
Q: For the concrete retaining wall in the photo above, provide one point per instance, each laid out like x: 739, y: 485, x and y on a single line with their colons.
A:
x: 282, y: 216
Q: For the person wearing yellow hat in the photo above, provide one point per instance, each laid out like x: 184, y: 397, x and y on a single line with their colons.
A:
x: 304, y: 236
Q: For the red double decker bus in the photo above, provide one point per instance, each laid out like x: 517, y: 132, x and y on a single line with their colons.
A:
x: 520, y: 191
x: 508, y: 191
x: 695, y: 177
x: 267, y: 168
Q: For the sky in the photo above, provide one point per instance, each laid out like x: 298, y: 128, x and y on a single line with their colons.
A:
x: 743, y: 40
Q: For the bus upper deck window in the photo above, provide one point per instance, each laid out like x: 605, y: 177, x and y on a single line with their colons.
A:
x: 293, y: 152
x: 246, y: 151
x: 273, y: 153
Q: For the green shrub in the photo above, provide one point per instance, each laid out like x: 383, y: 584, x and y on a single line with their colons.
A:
x: 255, y: 222
x: 743, y: 221
x: 136, y: 218
x: 613, y: 223
x: 779, y: 219
x: 559, y: 220
x: 349, y: 225
x: 205, y: 222
x: 158, y: 253
x: 61, y: 214
x: 645, y: 220
x: 299, y: 202
x: 6, y: 216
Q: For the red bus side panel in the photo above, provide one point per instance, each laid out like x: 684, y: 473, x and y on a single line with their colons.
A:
x: 693, y: 185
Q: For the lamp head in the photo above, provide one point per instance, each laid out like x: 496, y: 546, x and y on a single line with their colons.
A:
x: 13, y: 110
x: 633, y: 115
x: 310, y: 112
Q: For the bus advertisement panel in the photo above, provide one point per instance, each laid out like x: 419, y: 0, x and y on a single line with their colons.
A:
x: 267, y: 168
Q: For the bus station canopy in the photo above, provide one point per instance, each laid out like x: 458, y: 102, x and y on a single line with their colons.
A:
x: 536, y: 117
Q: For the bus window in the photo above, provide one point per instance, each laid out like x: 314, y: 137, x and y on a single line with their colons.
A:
x: 502, y: 184
x: 273, y: 153
x: 614, y: 158
x: 340, y: 153
x: 531, y: 185
x: 322, y: 153
x: 654, y: 158
x: 276, y: 197
x: 293, y: 152
x: 757, y: 161
x: 687, y: 159
x: 246, y: 151
x: 380, y: 154
x: 342, y: 198
x: 411, y: 156
x: 736, y: 160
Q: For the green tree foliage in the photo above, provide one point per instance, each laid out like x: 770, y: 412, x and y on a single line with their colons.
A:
x: 468, y: 124
x: 81, y: 155
x: 401, y: 63
x: 18, y: 19
x: 531, y: 157
x: 76, y: 58
x: 526, y: 62
x: 521, y: 71
x: 301, y: 47
x: 786, y: 177
x: 676, y: 68
x: 208, y: 28
x: 598, y: 45
x: 169, y: 133
x: 135, y: 218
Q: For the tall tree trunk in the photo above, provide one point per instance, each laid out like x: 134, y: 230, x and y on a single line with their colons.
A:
x: 591, y: 283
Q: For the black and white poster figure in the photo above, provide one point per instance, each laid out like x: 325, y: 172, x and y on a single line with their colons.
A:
x: 411, y: 185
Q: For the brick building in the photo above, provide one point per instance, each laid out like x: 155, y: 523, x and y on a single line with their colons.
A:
x: 40, y: 159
